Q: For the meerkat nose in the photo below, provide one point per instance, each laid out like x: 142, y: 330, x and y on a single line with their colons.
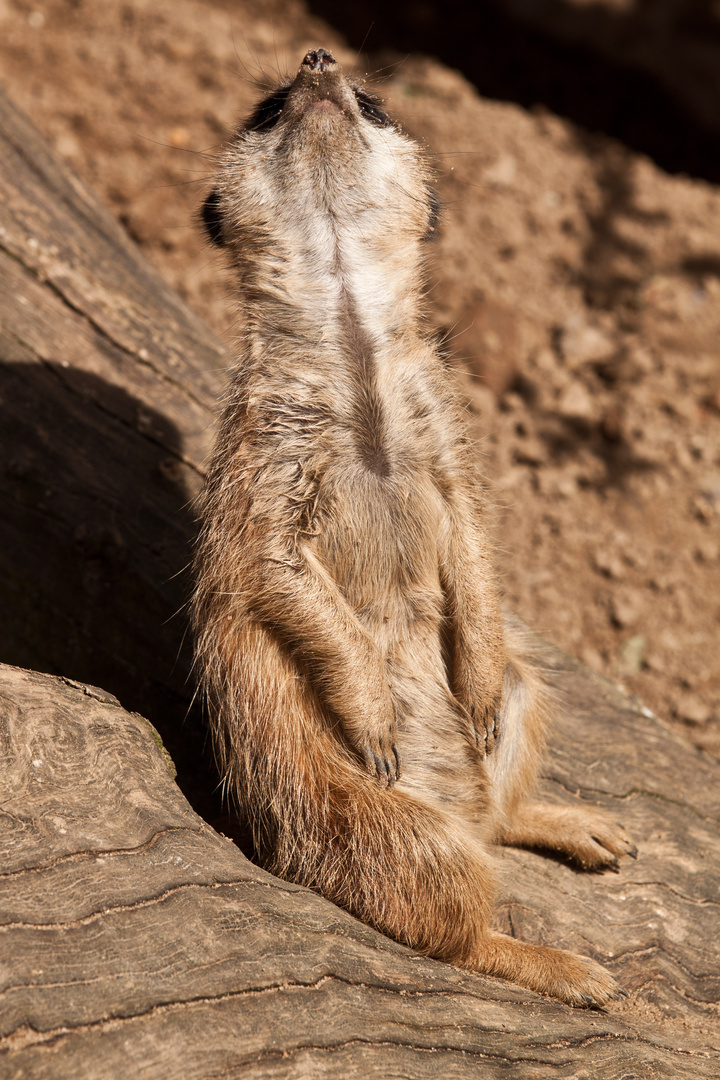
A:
x: 318, y: 60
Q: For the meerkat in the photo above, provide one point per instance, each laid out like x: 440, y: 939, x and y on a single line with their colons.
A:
x: 378, y: 722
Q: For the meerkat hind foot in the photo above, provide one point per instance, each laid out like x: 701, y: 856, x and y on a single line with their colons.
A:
x: 587, y: 837
x: 572, y: 979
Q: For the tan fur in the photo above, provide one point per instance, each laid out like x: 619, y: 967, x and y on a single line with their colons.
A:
x: 377, y: 723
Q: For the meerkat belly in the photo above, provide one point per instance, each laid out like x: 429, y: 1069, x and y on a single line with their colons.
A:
x: 381, y: 542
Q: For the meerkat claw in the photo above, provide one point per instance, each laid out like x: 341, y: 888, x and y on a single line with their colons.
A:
x: 368, y: 757
x: 398, y: 766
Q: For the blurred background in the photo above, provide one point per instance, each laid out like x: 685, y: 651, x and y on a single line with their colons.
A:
x: 575, y: 281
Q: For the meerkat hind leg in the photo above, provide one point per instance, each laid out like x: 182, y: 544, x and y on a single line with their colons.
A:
x: 586, y: 836
x: 573, y: 979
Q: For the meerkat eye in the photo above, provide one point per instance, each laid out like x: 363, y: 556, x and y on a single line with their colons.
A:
x: 268, y: 111
x: 370, y: 107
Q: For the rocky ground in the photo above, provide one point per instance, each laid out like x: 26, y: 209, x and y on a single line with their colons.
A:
x: 576, y: 286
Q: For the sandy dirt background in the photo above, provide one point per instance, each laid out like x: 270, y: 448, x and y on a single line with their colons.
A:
x: 575, y: 282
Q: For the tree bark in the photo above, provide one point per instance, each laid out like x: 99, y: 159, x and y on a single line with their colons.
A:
x: 135, y: 940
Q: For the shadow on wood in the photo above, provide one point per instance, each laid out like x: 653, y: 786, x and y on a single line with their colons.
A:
x: 107, y: 390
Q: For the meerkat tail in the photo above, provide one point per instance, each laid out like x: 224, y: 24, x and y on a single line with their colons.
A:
x: 397, y: 865
x: 403, y: 867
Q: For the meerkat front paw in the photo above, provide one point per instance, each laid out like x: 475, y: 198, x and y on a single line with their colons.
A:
x: 485, y: 728
x: 482, y: 725
x: 382, y: 759
x: 381, y: 756
x: 479, y: 692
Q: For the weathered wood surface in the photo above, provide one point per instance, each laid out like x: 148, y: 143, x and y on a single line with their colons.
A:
x: 134, y: 940
x: 108, y: 385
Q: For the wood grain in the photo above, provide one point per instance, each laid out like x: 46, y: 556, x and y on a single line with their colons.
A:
x: 137, y: 940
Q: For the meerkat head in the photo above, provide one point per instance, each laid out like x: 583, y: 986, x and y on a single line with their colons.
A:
x: 319, y: 157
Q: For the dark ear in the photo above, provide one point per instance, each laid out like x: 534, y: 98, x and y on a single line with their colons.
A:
x: 211, y: 214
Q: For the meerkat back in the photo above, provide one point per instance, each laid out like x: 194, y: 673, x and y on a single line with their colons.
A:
x: 375, y: 720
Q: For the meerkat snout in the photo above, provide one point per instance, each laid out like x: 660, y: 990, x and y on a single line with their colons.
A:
x: 318, y: 60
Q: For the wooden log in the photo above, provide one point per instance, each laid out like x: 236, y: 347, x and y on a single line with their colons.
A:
x: 108, y: 385
x: 135, y: 940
